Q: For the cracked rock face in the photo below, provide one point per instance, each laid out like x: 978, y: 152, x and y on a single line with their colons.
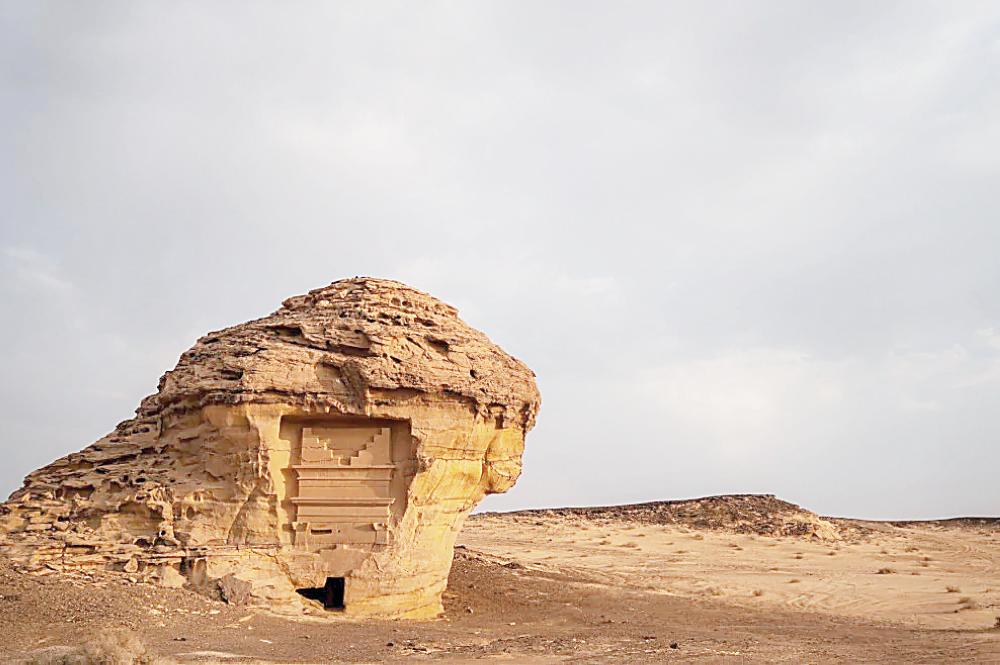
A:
x: 334, y: 447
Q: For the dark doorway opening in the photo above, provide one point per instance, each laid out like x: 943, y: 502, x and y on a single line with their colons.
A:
x: 331, y: 595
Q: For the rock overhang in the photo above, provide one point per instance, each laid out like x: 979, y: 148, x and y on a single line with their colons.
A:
x: 355, y: 335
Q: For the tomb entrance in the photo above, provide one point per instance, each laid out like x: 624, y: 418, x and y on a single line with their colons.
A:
x: 331, y: 594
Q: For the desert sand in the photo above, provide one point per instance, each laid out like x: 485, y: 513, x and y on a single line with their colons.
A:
x: 721, y: 580
x: 933, y: 575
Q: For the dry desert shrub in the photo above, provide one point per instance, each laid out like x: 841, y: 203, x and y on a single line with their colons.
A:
x: 113, y: 647
x: 885, y: 571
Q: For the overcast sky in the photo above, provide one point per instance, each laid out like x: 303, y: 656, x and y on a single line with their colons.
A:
x: 746, y: 246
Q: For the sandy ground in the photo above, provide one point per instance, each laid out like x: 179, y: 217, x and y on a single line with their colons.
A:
x: 924, y: 575
x: 592, y: 587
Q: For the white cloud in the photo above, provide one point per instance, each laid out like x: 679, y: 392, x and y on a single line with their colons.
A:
x: 990, y: 336
x: 741, y: 402
x: 31, y: 270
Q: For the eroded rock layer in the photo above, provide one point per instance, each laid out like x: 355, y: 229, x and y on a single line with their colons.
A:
x: 335, y: 446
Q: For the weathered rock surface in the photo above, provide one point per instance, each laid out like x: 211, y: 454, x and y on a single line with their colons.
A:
x: 758, y: 514
x: 346, y: 435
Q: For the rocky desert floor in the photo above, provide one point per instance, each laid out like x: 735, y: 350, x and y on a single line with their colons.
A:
x: 718, y: 580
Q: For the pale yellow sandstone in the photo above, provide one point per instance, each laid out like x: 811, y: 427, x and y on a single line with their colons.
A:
x: 345, y: 438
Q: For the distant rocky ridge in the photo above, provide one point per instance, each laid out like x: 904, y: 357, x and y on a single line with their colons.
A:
x: 760, y: 514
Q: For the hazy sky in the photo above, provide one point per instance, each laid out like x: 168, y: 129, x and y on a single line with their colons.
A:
x: 746, y: 246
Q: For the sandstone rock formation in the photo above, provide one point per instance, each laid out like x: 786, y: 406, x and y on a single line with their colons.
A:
x: 334, y: 447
